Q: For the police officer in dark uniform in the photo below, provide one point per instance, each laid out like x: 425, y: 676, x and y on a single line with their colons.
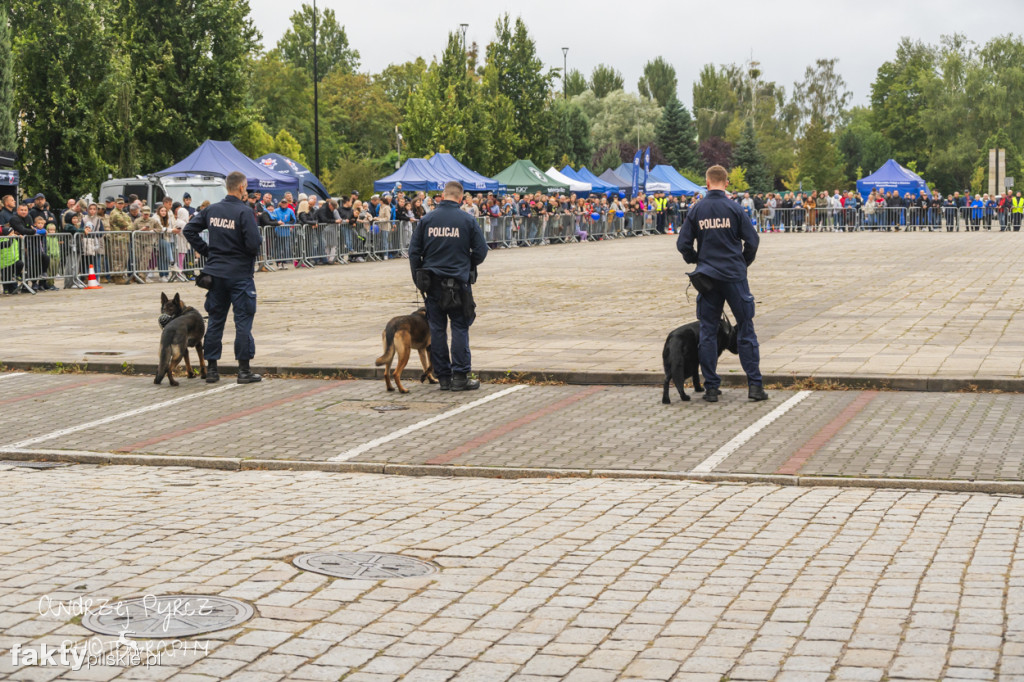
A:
x: 234, y: 243
x: 447, y: 246
x: 726, y: 245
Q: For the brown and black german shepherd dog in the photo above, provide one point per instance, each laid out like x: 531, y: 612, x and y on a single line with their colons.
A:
x: 185, y: 327
x: 400, y: 336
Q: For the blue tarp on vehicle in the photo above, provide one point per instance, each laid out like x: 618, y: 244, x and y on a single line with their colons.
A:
x: 448, y: 166
x: 415, y: 175
x: 308, y: 183
x: 893, y: 177
x: 215, y: 157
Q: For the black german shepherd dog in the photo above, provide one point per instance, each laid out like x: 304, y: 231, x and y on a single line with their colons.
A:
x: 183, y: 327
x: 680, y: 355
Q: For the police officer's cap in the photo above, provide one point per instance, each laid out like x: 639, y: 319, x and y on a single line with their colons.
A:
x: 109, y: 200
x: 186, y: 196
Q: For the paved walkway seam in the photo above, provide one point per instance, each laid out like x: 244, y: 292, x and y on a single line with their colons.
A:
x: 237, y: 464
x: 863, y: 382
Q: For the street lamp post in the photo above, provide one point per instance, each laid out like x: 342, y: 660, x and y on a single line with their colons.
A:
x: 462, y: 31
x: 316, y: 103
x: 565, y: 73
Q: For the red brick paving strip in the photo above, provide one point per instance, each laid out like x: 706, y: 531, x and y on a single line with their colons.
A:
x: 513, y: 425
x: 827, y: 432
x: 228, y: 417
x: 58, y: 389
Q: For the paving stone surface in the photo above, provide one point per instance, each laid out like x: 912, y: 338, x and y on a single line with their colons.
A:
x: 562, y: 579
x: 891, y: 304
x: 870, y: 434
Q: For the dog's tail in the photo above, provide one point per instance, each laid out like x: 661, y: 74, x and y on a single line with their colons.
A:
x: 165, y: 362
x: 388, y: 336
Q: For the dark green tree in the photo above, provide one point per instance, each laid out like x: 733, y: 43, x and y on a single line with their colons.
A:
x: 823, y: 95
x: 898, y: 99
x: 861, y: 146
x: 571, y: 133
x: 446, y: 111
x: 282, y: 96
x: 332, y: 48
x: 57, y: 69
x: 659, y: 81
x: 605, y: 80
x: 575, y: 84
x: 819, y: 159
x: 677, y: 136
x: 520, y: 76
x: 193, y: 71
x: 399, y: 80
x: 7, y: 113
x: 752, y: 160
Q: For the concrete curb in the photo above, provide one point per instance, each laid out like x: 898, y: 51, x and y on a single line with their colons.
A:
x: 236, y: 464
x: 817, y: 382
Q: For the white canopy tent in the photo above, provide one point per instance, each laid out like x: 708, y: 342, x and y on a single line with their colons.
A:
x: 574, y: 185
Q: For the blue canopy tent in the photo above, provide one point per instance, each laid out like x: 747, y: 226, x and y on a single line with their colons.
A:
x: 447, y: 165
x: 308, y: 183
x: 893, y: 177
x: 416, y: 175
x: 215, y: 157
x: 679, y: 184
x: 598, y: 185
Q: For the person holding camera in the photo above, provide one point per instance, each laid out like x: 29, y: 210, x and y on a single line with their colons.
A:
x: 726, y: 245
x: 230, y: 257
x: 445, y: 250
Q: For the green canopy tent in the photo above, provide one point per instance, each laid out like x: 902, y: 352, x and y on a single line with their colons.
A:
x: 525, y: 178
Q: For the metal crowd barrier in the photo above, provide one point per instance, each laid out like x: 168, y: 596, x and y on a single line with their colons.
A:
x: 36, y: 262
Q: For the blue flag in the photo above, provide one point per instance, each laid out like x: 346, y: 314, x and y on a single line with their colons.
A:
x: 636, y: 172
x: 647, y: 164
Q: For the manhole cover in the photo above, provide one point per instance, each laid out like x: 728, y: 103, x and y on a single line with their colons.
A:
x: 389, y: 408
x: 175, y: 615
x: 103, y: 352
x: 364, y: 565
x: 32, y: 465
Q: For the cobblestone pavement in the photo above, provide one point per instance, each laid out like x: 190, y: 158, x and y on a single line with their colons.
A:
x: 539, y: 580
x: 597, y: 429
x: 900, y: 305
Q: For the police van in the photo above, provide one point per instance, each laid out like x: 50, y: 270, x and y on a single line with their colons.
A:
x: 153, y: 189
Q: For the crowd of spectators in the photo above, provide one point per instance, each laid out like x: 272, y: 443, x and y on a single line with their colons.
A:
x: 34, y: 253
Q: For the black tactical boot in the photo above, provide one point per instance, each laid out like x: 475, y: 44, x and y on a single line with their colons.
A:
x: 461, y: 382
x: 446, y: 383
x: 245, y: 375
x: 212, y: 376
x: 756, y: 392
x: 711, y: 394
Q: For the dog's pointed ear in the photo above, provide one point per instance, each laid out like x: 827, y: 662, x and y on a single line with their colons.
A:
x: 163, y: 298
x: 177, y: 299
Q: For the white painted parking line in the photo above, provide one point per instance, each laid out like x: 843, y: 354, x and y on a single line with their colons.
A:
x: 746, y: 434
x: 116, y: 417
x: 369, y: 445
x: 11, y: 376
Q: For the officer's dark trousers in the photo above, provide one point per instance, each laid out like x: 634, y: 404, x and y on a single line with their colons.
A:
x: 240, y: 296
x: 459, y: 362
x: 709, y: 312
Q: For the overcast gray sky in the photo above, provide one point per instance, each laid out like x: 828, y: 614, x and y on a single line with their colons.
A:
x: 784, y: 35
